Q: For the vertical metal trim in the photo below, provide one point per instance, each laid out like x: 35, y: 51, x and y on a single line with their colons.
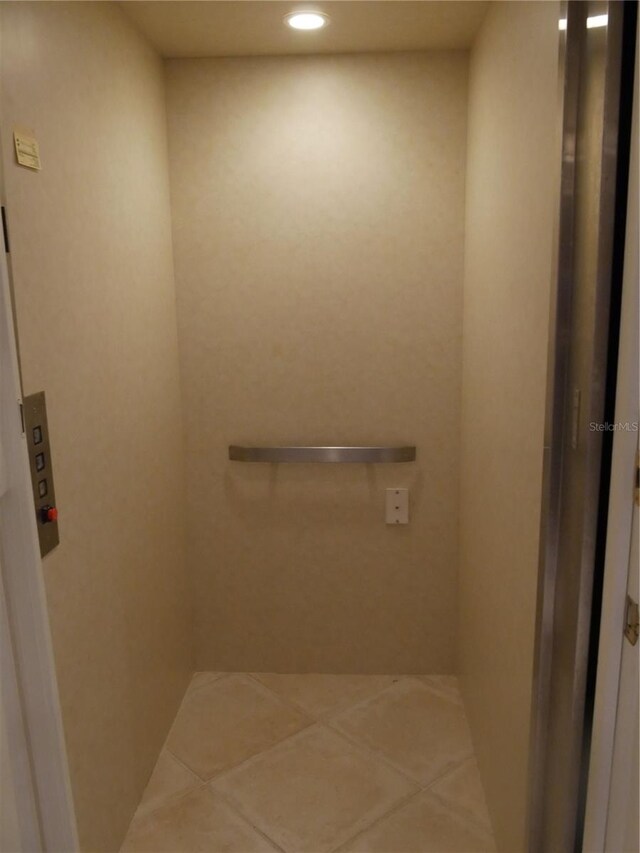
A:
x: 618, y: 112
x: 556, y: 427
x: 557, y: 380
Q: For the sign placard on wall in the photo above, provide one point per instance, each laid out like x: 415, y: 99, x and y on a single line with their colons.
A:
x: 27, y: 150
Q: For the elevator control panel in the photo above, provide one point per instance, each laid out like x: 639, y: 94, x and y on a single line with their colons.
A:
x: 35, y: 424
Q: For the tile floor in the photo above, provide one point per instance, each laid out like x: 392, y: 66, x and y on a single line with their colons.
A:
x: 314, y: 764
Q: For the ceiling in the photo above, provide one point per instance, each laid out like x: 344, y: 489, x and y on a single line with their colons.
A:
x: 255, y: 27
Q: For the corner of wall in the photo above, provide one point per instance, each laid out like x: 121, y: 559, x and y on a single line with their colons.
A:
x: 510, y: 214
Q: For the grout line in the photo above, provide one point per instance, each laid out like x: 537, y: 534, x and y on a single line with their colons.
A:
x: 164, y: 748
x: 206, y: 784
x: 457, y: 810
x: 216, y: 676
x: 284, y: 699
x: 453, y: 700
x: 397, y: 680
x: 231, y: 803
x: 321, y: 721
x: 354, y: 740
x: 362, y: 749
x: 237, y: 803
x: 308, y: 722
x: 352, y: 706
x: 325, y: 715
x: 395, y: 808
x: 450, y: 769
x: 250, y: 758
x: 225, y: 770
x: 447, y: 806
x: 453, y: 804
x: 183, y: 764
x: 326, y: 721
x: 441, y: 692
x: 372, y: 754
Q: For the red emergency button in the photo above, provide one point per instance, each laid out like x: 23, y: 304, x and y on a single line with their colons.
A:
x: 48, y: 514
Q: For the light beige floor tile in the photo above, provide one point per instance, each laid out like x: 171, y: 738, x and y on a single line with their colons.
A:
x: 225, y: 722
x: 423, y: 825
x: 420, y: 732
x: 320, y: 695
x: 200, y: 678
x: 169, y: 779
x: 462, y: 788
x: 446, y: 685
x: 312, y: 792
x: 199, y: 822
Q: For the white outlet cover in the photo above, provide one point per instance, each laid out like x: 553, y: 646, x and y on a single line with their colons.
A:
x: 397, y: 506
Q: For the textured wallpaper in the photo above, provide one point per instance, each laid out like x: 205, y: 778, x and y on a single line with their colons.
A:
x: 92, y: 261
x: 318, y: 224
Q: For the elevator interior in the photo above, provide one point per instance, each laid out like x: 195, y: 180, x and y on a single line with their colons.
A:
x: 242, y: 236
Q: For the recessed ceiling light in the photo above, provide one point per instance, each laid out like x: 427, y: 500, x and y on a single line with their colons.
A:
x: 307, y: 20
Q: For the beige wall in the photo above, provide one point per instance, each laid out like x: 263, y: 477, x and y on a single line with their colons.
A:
x: 318, y: 220
x: 511, y: 199
x: 318, y: 212
x: 92, y: 258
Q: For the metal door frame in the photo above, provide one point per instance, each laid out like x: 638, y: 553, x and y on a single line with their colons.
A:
x: 612, y: 204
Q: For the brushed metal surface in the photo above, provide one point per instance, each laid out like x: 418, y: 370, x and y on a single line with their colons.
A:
x: 322, y: 454
x: 35, y: 417
x: 591, y: 63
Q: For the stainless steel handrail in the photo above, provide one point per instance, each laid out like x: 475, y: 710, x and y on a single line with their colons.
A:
x: 322, y: 454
